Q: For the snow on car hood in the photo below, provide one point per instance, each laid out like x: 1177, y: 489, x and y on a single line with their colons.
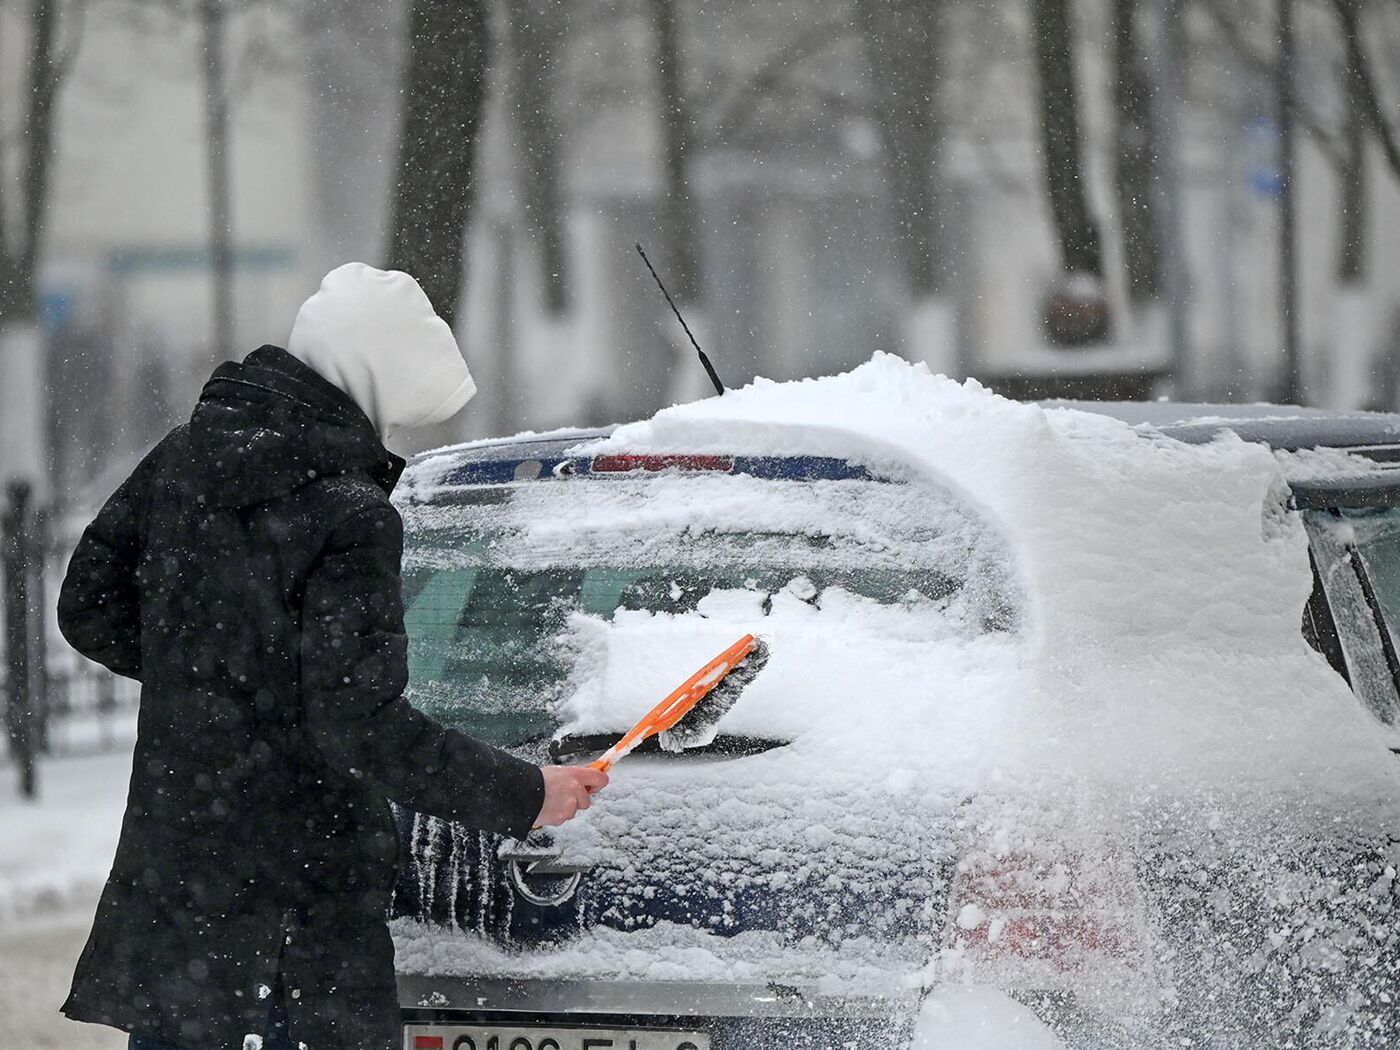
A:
x: 1165, y: 581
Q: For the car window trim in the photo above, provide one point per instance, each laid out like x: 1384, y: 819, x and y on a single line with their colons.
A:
x: 1318, y: 614
x: 1368, y: 592
x: 1389, y: 654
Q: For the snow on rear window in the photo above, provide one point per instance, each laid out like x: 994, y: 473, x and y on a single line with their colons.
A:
x: 573, y: 605
x: 1164, y: 583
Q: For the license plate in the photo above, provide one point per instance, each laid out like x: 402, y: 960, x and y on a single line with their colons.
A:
x: 489, y: 1037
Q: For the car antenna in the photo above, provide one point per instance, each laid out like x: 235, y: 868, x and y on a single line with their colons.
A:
x: 709, y: 368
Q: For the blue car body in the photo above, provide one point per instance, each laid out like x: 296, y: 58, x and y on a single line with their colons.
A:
x: 522, y: 898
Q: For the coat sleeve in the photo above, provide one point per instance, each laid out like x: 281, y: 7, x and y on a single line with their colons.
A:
x: 354, y: 670
x: 99, y: 606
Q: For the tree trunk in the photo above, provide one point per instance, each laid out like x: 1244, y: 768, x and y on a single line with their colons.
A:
x: 505, y: 409
x: 17, y: 573
x: 1134, y: 158
x: 444, y: 101
x: 221, y: 261
x: 682, y: 267
x: 23, y: 446
x: 1351, y: 244
x: 537, y: 30
x: 1351, y: 253
x: 1290, y: 379
x: 902, y: 45
x: 1366, y: 92
x: 1075, y: 229
x: 19, y: 252
x: 1350, y: 371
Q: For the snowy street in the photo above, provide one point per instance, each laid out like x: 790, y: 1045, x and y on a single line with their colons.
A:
x: 57, y: 853
x: 36, y: 964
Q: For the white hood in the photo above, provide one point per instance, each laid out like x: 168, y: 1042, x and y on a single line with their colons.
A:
x: 374, y: 334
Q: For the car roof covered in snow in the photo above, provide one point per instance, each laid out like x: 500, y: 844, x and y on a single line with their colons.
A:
x: 538, y: 444
x: 1285, y: 428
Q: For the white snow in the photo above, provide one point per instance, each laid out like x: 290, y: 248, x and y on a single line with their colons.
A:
x: 979, y: 1018
x: 1153, y: 706
x: 970, y: 916
x: 664, y: 953
x: 55, y: 852
x: 54, y: 857
x: 1165, y: 583
x: 808, y: 689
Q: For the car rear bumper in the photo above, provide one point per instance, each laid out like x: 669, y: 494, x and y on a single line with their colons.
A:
x: 735, y: 1016
x: 658, y: 998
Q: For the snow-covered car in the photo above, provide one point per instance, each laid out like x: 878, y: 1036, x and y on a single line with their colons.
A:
x: 1041, y: 756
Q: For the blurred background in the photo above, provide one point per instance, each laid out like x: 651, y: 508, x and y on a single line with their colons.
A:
x: 1093, y: 198
x: 1061, y: 198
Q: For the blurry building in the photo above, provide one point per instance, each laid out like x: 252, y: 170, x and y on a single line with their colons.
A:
x: 795, y: 223
x: 126, y: 264
x: 793, y: 213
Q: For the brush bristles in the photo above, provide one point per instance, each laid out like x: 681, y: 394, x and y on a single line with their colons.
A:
x: 700, y: 724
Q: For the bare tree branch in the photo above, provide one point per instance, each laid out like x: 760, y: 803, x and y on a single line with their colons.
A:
x: 68, y: 50
x: 1135, y: 159
x: 1349, y: 17
x: 1352, y: 216
x: 266, y: 51
x: 1262, y: 65
x: 735, y: 107
x: 213, y: 41
x: 844, y: 103
x: 43, y: 82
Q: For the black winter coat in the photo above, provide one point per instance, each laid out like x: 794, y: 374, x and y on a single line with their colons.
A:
x: 247, y: 573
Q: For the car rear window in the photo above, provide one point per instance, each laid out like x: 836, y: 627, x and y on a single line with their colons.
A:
x: 1374, y: 534
x: 498, y: 577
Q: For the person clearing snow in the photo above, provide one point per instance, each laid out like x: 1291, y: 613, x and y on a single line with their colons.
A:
x: 247, y: 573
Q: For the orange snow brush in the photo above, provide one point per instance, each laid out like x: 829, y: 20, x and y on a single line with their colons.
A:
x: 687, y: 717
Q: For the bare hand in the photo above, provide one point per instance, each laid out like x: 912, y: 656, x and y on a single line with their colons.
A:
x: 567, y: 791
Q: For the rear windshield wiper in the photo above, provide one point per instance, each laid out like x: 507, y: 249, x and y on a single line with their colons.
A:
x: 570, y: 746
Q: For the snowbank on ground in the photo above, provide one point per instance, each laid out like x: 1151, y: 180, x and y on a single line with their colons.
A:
x: 55, y: 852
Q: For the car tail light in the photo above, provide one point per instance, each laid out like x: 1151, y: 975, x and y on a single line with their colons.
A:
x: 625, y: 462
x: 1057, y: 911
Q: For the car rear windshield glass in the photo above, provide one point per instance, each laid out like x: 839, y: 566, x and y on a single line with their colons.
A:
x: 493, y: 577
x: 1376, y: 535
